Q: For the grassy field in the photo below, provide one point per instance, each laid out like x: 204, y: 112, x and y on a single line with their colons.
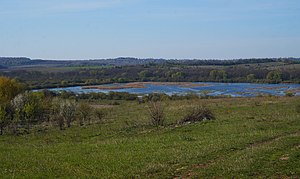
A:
x: 251, y: 137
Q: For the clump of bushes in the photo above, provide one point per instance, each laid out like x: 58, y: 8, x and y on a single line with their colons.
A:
x: 63, y: 112
x: 289, y: 94
x: 197, y: 114
x: 84, y: 113
x: 298, y: 108
x: 156, y: 111
x: 99, y: 114
x: 114, y: 103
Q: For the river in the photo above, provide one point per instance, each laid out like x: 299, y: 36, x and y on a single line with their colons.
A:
x: 212, y: 89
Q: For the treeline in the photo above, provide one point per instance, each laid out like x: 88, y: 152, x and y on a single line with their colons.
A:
x: 228, y: 62
x: 233, y: 61
x: 14, y: 61
x: 159, y: 73
x: 122, y: 61
x: 127, y: 61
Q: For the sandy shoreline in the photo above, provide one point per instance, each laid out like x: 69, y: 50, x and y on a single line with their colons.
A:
x: 117, y: 86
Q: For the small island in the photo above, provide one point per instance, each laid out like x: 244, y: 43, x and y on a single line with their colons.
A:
x: 117, y: 86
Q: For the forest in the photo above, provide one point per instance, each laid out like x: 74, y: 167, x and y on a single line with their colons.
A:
x: 91, y: 73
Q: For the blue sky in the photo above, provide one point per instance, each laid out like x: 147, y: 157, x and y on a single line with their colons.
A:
x: 202, y: 29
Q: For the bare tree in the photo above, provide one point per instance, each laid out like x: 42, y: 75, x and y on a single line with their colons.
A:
x: 68, y: 111
x: 18, y: 104
x: 63, y: 112
x: 156, y: 111
x: 99, y: 114
x: 55, y: 113
x: 84, y: 113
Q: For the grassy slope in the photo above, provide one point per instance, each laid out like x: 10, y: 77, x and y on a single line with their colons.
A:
x: 258, y: 137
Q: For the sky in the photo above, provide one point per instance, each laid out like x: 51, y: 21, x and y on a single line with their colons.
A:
x: 171, y: 29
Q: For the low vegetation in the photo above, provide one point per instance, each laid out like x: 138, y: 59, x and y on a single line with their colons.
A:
x: 197, y: 114
x: 156, y: 112
x: 298, y: 108
x: 250, y: 138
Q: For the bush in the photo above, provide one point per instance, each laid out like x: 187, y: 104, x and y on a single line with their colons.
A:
x: 63, y: 112
x: 84, y: 113
x: 5, y: 116
x: 298, y: 108
x: 289, y: 94
x: 197, y: 114
x: 99, y: 114
x: 114, y: 103
x: 156, y: 111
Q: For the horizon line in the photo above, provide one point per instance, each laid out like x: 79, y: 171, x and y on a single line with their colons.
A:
x: 145, y: 58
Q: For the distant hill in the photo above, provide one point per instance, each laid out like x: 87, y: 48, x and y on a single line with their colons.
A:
x: 2, y: 67
x: 19, y: 62
x: 122, y: 61
x: 14, y: 61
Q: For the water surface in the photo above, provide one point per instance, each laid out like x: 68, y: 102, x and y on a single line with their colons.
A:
x: 213, y: 89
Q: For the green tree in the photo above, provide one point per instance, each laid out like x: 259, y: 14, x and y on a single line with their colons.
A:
x: 218, y: 75
x: 274, y: 76
x: 9, y: 88
x: 28, y: 108
x: 250, y: 77
x: 178, y: 75
x: 143, y: 75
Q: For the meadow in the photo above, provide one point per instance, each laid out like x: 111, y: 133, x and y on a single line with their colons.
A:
x: 250, y: 138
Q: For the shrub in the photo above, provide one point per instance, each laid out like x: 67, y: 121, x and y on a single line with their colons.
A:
x: 55, y: 113
x: 84, y: 113
x: 63, y: 112
x: 99, y: 114
x: 5, y: 117
x: 289, y: 94
x: 115, y: 103
x: 68, y: 111
x: 9, y: 88
x: 156, y: 112
x: 197, y: 114
x: 298, y: 108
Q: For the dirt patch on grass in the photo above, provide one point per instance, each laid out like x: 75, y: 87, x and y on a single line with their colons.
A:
x: 273, y: 139
x: 102, y: 106
x: 285, y: 157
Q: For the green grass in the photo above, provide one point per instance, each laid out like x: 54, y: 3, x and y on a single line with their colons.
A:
x: 257, y: 137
